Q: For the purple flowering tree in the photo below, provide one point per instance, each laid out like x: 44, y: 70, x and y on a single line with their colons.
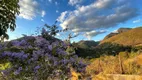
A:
x: 36, y: 58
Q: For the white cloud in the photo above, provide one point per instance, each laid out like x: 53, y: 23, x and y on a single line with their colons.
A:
x: 74, y: 2
x: 28, y: 9
x: 93, y: 33
x: 101, y: 14
x: 42, y: 20
x: 63, y: 16
x: 103, y: 3
x: 115, y: 31
x: 50, y: 1
x: 57, y: 11
x: 43, y: 13
x: 137, y: 21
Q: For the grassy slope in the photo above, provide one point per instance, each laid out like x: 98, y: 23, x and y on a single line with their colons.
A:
x: 110, y: 65
x: 132, y: 37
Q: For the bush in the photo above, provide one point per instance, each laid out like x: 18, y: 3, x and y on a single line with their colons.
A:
x: 35, y: 58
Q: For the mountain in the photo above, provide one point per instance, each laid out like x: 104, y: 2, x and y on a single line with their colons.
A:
x: 110, y: 35
x: 86, y: 44
x: 127, y: 37
x: 121, y: 30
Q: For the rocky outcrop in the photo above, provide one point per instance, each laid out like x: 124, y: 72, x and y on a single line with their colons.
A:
x: 121, y: 30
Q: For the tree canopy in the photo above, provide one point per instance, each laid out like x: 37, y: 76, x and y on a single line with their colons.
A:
x: 8, y: 11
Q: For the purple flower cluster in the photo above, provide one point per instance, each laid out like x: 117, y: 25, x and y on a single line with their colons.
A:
x: 40, y: 58
x: 14, y: 55
x: 18, y: 71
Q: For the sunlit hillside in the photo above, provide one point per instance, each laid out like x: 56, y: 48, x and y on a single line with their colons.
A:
x: 132, y: 37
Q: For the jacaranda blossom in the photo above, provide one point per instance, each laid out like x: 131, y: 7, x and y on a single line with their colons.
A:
x: 34, y: 57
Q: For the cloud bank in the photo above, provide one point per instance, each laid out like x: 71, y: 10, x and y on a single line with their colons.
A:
x: 74, y: 2
x: 100, y: 15
x: 91, y: 34
x: 137, y: 21
x: 29, y: 9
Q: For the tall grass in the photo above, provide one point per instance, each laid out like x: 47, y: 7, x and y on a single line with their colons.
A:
x: 124, y: 63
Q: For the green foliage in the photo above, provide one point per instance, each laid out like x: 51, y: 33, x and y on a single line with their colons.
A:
x: 5, y: 66
x: 8, y: 11
x: 70, y: 50
x: 86, y: 53
x: 103, y: 49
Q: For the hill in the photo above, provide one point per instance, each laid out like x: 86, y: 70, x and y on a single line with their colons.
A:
x: 121, y: 30
x: 86, y: 44
x: 131, y: 37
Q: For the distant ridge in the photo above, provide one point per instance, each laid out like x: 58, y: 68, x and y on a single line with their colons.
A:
x: 87, y: 44
x: 127, y: 37
x: 120, y: 30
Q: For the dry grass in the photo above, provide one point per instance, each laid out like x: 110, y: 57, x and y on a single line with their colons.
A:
x: 131, y: 65
x: 117, y: 77
x: 105, y: 64
x: 131, y: 37
x: 108, y: 68
x: 139, y: 60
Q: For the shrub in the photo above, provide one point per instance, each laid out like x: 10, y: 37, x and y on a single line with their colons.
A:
x: 35, y: 58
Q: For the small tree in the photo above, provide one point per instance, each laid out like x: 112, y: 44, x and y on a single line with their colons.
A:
x: 8, y: 11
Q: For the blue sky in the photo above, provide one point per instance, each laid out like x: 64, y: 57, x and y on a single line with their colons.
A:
x: 91, y: 19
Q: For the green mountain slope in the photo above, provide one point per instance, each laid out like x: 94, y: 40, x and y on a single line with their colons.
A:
x: 86, y: 44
